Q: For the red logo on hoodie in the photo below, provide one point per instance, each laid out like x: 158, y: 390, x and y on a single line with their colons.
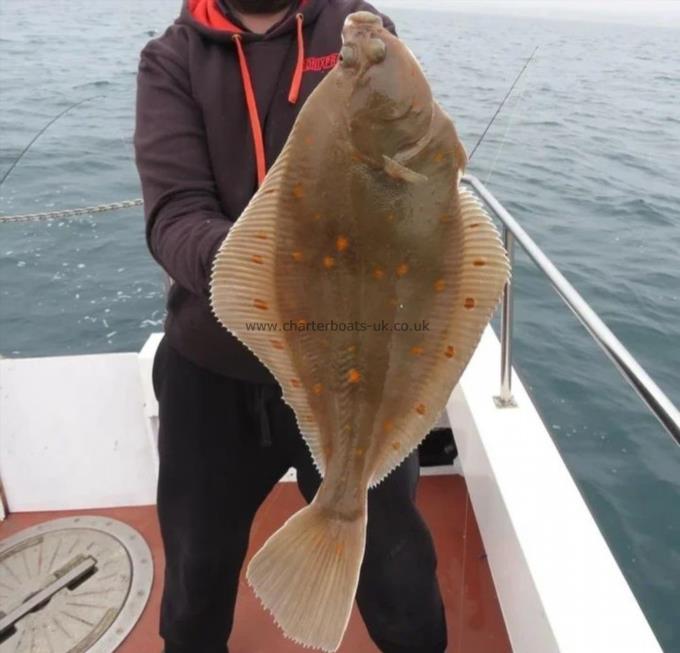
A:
x: 317, y: 64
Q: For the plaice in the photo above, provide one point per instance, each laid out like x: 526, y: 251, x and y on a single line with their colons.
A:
x: 362, y: 275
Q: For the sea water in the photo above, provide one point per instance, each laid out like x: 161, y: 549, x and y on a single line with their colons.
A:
x: 586, y: 154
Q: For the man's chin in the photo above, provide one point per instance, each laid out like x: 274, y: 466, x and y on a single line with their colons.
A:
x: 259, y: 6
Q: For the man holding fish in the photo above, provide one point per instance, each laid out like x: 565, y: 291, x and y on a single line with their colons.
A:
x: 218, y: 95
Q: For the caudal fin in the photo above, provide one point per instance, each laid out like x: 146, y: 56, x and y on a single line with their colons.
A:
x: 306, y: 575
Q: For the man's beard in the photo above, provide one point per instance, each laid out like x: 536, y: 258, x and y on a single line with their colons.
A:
x: 258, y: 6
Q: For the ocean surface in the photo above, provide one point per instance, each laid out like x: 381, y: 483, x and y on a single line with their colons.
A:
x: 586, y: 154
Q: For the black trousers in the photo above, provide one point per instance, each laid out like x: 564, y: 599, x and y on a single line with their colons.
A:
x: 223, y: 445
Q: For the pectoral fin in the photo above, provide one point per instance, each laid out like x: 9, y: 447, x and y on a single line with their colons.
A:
x: 398, y: 171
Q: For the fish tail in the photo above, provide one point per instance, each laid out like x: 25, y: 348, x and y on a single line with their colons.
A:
x: 306, y: 575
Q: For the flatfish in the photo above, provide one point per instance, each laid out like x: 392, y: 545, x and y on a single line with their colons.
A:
x: 362, y: 275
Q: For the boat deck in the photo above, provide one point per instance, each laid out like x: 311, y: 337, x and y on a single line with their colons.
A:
x: 475, y: 622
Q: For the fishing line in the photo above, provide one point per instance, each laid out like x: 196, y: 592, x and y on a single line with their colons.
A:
x: 511, y: 122
x: 502, y: 104
x: 40, y: 133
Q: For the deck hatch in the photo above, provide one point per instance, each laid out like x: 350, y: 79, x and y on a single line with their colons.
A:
x: 72, y: 585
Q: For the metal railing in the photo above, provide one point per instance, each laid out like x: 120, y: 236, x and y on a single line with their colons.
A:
x: 657, y: 401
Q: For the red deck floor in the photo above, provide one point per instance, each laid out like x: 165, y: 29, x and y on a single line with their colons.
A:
x: 475, y: 622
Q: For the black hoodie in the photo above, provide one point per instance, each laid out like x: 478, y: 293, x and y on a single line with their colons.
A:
x: 215, y: 105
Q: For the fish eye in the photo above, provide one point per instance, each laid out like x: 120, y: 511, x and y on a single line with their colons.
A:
x: 347, y: 56
x: 376, y: 50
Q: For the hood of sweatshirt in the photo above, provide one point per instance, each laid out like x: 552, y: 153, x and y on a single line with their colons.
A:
x: 210, y: 19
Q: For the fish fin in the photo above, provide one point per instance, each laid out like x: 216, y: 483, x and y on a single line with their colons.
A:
x: 306, y: 575
x: 398, y: 171
x: 243, y: 294
x: 482, y: 284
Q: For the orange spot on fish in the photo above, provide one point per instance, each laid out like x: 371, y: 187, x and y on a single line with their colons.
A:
x: 339, y: 549
x: 261, y: 304
x: 354, y: 376
x: 469, y: 302
x: 417, y: 351
x: 474, y: 225
x: 352, y: 348
x: 298, y: 191
x: 261, y: 236
x: 402, y: 269
x: 438, y: 157
x: 450, y: 351
x: 388, y: 425
x: 358, y: 452
x: 316, y: 216
x: 378, y: 273
x: 390, y: 217
x: 277, y: 344
x: 439, y: 285
x: 317, y: 388
x: 479, y: 262
x: 396, y: 446
x: 297, y: 256
x: 256, y: 258
x: 445, y: 217
x: 295, y: 383
x: 341, y: 243
x: 309, y: 140
x: 393, y: 301
x: 328, y: 262
x: 420, y: 409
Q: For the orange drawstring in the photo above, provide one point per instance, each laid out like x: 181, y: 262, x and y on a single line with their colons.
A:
x: 255, y: 125
x: 299, y: 67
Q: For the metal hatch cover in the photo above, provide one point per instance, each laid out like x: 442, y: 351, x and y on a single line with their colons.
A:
x: 72, y: 585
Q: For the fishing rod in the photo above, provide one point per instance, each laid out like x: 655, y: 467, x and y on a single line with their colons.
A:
x: 40, y: 133
x: 502, y: 104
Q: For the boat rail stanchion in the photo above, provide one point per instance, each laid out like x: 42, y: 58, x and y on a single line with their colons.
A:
x: 505, y: 398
